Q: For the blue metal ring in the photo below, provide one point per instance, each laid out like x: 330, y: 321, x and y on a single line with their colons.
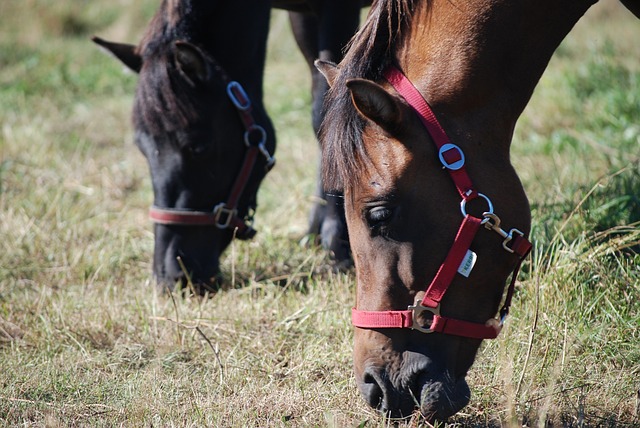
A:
x: 463, y: 205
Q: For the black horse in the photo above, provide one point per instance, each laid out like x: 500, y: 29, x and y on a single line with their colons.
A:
x: 200, y: 122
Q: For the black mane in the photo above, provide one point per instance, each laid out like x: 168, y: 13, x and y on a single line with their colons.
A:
x: 370, y: 51
x: 165, y: 101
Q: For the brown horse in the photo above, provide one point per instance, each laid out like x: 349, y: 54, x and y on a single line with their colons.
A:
x: 419, y: 123
x: 200, y: 121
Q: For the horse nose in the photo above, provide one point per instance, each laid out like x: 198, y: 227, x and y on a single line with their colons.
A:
x: 371, y: 389
x: 417, y: 385
x: 381, y: 394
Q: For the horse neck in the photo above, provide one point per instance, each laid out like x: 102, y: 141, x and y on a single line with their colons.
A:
x: 478, y: 61
x: 238, y: 41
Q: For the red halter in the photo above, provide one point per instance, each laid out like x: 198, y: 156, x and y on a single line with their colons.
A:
x: 452, y: 157
x: 225, y: 214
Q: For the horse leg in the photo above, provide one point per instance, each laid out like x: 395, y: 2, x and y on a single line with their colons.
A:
x: 323, y: 35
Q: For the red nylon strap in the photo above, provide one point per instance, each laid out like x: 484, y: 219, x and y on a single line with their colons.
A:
x: 465, y: 328
x: 439, y: 324
x: 452, y: 156
x: 449, y: 267
x: 173, y: 216
x: 184, y: 217
x: 453, y: 159
x: 415, y: 99
x: 381, y: 319
x: 521, y: 246
x: 243, y: 177
x: 438, y: 287
x: 177, y: 217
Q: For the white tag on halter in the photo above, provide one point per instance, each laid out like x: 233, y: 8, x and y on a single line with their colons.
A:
x: 468, y: 262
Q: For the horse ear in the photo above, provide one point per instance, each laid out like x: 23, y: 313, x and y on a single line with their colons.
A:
x: 191, y: 62
x: 328, y: 69
x: 124, y: 52
x: 375, y: 103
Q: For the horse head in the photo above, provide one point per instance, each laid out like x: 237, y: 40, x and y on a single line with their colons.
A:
x: 208, y: 142
x: 404, y: 217
x: 419, y: 123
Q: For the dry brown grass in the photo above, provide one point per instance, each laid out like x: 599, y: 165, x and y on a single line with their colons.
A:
x: 85, y: 340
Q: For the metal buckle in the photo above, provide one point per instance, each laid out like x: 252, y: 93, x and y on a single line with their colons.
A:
x: 221, y: 210
x: 463, y: 205
x: 416, y: 310
x: 452, y: 166
x: 238, y: 96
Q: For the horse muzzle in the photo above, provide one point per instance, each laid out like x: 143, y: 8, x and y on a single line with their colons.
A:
x: 418, y: 384
x: 188, y: 257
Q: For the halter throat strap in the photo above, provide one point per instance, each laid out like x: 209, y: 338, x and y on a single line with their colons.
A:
x: 453, y: 160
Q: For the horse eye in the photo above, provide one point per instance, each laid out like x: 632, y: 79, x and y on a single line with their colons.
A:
x: 377, y: 216
x: 196, y: 150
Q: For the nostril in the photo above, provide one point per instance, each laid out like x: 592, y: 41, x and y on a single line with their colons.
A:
x: 416, y: 383
x: 371, y: 390
x: 394, y: 401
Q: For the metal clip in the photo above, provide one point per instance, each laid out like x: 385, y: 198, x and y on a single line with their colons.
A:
x: 492, y: 222
x: 271, y: 160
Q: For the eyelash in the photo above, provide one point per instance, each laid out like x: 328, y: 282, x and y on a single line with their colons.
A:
x: 379, y: 225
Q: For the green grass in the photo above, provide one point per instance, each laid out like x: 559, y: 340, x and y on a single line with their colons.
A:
x: 86, y: 341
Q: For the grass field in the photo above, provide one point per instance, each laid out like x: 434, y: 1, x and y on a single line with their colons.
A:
x: 86, y: 341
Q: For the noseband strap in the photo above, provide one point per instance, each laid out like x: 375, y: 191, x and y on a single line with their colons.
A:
x: 514, y: 242
x: 225, y: 214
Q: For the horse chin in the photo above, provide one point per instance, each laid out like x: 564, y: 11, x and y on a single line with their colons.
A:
x: 441, y: 400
